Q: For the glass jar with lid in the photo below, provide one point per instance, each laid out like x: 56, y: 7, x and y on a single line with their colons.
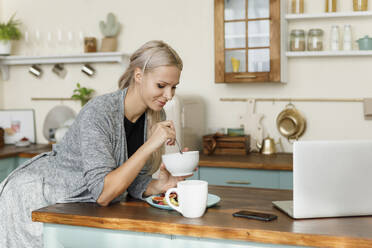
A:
x: 297, y: 40
x: 296, y: 6
x: 315, y: 40
x: 360, y: 5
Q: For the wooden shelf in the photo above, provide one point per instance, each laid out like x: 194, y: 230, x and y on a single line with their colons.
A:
x: 328, y: 15
x: 107, y: 57
x: 329, y: 53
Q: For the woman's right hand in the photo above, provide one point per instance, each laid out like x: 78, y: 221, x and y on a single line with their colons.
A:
x: 162, y: 132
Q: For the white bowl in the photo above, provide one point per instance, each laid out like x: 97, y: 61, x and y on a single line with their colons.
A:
x: 181, y: 164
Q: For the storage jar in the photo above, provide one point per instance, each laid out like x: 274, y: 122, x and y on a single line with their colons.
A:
x: 315, y: 40
x: 330, y: 5
x: 297, y: 6
x: 297, y: 40
x: 360, y: 5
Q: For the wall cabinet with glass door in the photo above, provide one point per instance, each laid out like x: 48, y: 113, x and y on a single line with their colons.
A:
x: 248, y: 41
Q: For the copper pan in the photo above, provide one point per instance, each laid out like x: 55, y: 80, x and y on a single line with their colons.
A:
x: 291, y: 123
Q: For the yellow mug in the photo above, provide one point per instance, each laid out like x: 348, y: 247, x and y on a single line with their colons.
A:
x: 235, y: 64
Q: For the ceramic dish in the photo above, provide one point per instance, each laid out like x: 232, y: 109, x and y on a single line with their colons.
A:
x: 212, y: 200
x: 22, y: 143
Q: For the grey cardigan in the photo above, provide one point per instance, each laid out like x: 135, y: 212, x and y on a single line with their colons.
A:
x: 73, y: 172
x: 94, y: 146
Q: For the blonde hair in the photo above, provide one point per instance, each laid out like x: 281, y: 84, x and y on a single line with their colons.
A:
x: 149, y: 56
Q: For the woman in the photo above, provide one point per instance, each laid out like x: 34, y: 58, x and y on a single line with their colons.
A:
x: 113, y: 147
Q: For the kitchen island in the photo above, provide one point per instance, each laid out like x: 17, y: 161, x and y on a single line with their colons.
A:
x: 134, y: 223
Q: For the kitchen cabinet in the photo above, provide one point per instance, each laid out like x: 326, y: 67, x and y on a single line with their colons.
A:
x: 248, y: 41
x: 247, y: 177
x: 21, y: 160
x: 251, y: 170
x: 11, y: 156
x: 7, y: 165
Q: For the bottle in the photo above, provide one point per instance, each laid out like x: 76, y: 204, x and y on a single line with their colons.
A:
x: 347, y: 38
x: 335, y: 38
x: 331, y: 6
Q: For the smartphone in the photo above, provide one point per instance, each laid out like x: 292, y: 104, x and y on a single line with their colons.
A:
x: 255, y: 215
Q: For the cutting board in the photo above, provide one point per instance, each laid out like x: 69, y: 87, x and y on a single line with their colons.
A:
x: 252, y: 124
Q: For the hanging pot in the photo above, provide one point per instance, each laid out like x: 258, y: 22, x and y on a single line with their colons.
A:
x: 291, y: 123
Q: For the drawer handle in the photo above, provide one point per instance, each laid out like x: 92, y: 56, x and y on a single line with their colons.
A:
x: 238, y: 182
x: 244, y: 76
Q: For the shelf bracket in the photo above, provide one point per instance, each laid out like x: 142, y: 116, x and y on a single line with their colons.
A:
x: 4, y: 72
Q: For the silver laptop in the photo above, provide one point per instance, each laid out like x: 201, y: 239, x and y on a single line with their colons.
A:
x: 330, y: 179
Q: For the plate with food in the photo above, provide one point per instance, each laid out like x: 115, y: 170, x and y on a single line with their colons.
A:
x: 159, y: 201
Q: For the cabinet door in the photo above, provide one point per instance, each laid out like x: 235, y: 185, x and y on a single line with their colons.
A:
x: 247, y: 41
x: 240, y: 177
x: 7, y: 165
x: 22, y: 160
x: 286, y: 180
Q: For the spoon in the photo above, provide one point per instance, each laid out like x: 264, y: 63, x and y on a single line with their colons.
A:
x: 179, y: 148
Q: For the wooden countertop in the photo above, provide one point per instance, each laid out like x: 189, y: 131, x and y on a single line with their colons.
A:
x: 25, y: 152
x: 253, y: 160
x: 218, y: 221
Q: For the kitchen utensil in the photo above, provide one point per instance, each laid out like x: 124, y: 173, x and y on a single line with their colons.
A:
x: 252, y: 124
x: 56, y: 118
x: 235, y: 64
x: 192, y: 198
x: 267, y: 146
x: 365, y: 43
x: 181, y: 164
x: 178, y: 145
x: 290, y: 123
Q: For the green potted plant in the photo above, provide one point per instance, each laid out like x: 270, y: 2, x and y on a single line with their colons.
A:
x: 83, y: 94
x: 9, y: 31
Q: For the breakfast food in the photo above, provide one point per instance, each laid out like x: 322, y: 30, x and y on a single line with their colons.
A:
x: 160, y: 199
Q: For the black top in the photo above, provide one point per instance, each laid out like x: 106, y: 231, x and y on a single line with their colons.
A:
x: 134, y: 133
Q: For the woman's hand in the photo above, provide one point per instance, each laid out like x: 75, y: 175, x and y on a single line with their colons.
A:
x: 162, y: 132
x: 165, y: 180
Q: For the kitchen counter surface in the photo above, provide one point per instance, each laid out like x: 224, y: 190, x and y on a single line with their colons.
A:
x: 218, y: 222
x: 25, y: 152
x: 253, y: 160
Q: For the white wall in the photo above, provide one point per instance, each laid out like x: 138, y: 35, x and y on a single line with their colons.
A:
x: 188, y: 27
